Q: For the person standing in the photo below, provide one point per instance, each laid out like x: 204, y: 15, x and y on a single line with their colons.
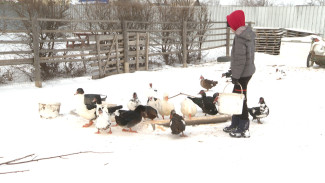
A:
x: 242, y: 68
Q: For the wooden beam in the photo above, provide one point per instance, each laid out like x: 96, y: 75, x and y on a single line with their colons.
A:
x: 126, y: 47
x: 109, y: 53
x: 228, y: 42
x: 98, y: 55
x: 16, y: 61
x: 137, y: 47
x: 147, y: 51
x: 197, y: 120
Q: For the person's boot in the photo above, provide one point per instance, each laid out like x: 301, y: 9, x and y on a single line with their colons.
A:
x: 233, y: 126
x: 242, y: 130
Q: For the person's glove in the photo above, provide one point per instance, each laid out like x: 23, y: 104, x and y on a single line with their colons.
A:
x: 227, y: 74
x: 234, y: 81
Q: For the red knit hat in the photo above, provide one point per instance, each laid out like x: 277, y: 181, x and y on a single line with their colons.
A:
x: 236, y: 19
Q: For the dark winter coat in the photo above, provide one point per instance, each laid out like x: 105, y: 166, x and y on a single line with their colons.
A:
x: 243, y: 53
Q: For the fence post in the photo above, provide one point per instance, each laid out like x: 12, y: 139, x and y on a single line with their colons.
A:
x: 137, y: 47
x: 117, y: 56
x: 101, y: 74
x: 147, y: 51
x: 184, y: 46
x: 38, y: 82
x: 126, y: 46
x: 228, y: 41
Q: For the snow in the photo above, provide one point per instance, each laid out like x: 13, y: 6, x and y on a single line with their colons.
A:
x: 287, y: 147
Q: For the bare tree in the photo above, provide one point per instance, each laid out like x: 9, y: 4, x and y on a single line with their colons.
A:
x: 177, y: 12
x: 204, y: 20
x: 100, y: 11
x: 56, y: 9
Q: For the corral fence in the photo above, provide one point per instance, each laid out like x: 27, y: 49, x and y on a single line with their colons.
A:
x: 123, y: 48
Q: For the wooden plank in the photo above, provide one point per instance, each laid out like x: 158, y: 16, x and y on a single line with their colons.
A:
x: 136, y: 30
x: 228, y: 42
x: 137, y: 51
x: 107, y: 46
x: 15, y: 42
x: 164, y: 37
x: 79, y: 30
x: 184, y: 43
x: 110, y: 63
x: 109, y: 53
x: 77, y: 20
x: 126, y: 46
x: 147, y: 52
x: 64, y: 56
x: 136, y: 33
x: 98, y: 54
x: 104, y: 51
x: 175, y: 43
x: 16, y: 61
x: 14, y: 18
x: 88, y: 48
x: 15, y: 31
x: 133, y: 62
x: 134, y: 53
x: 105, y: 57
x: 70, y: 60
x: 134, y: 43
x: 196, y: 120
x: 15, y: 52
x: 103, y: 37
x: 117, y: 57
x: 59, y: 40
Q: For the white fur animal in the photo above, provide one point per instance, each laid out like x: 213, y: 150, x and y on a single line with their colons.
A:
x: 188, y: 108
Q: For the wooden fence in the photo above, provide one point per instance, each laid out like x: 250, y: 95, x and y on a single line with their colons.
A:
x: 121, y: 50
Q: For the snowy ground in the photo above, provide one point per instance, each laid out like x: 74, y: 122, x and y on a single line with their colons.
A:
x: 287, y: 147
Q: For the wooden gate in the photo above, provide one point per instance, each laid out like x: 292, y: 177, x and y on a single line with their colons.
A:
x: 110, y: 50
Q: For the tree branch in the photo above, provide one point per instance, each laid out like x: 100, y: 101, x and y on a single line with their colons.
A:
x: 14, y: 172
x: 14, y: 162
x: 11, y: 161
